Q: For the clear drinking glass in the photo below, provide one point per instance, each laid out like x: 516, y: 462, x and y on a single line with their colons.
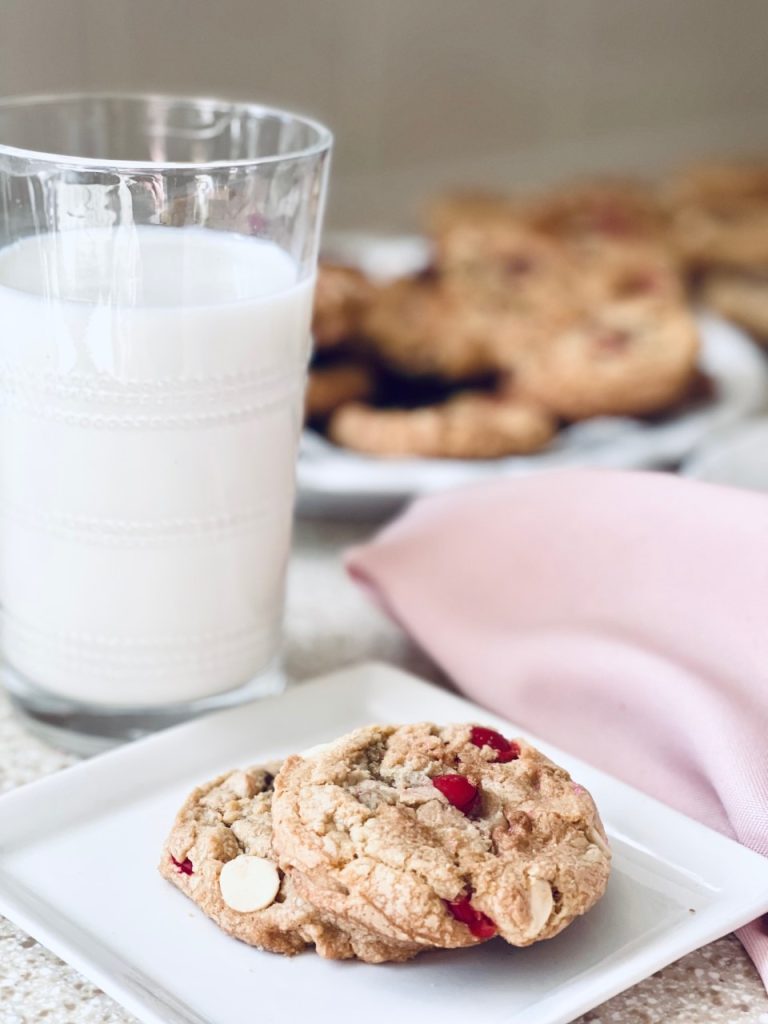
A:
x: 157, y: 261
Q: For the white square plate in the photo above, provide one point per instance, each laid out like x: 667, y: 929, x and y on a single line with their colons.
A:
x: 78, y: 855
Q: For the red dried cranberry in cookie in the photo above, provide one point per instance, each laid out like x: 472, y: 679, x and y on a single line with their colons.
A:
x: 481, y: 926
x: 639, y: 284
x: 519, y: 265
x: 184, y: 867
x: 611, y: 220
x: 505, y: 749
x: 610, y: 343
x: 457, y: 790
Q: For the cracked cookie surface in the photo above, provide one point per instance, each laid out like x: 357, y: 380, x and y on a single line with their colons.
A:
x: 229, y: 820
x: 442, y: 836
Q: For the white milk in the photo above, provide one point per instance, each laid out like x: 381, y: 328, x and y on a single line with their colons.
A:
x: 150, y: 406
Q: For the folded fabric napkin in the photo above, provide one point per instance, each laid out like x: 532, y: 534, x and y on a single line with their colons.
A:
x: 621, y: 616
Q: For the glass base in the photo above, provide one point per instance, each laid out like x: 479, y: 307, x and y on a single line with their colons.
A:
x: 88, y: 729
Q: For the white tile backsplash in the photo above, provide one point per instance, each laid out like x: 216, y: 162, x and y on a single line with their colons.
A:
x: 423, y: 93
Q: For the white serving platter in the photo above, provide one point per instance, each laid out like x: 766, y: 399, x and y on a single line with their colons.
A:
x: 332, y: 480
x: 734, y: 457
x: 78, y: 854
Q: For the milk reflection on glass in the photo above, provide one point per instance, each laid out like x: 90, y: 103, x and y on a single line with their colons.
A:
x: 153, y: 383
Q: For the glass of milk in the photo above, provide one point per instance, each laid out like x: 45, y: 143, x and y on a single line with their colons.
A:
x: 157, y: 261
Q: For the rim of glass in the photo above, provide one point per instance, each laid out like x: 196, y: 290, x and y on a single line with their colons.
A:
x: 321, y: 144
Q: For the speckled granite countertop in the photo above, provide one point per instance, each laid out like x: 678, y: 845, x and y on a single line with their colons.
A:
x: 330, y: 624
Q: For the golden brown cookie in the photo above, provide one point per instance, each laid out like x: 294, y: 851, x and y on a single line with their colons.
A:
x: 739, y: 296
x: 341, y: 298
x: 473, y: 207
x: 616, y: 272
x: 614, y: 209
x: 328, y: 387
x: 474, y: 318
x: 507, y: 267
x: 418, y: 328
x: 220, y: 854
x: 720, y: 215
x: 472, y: 425
x: 716, y: 181
x: 627, y: 358
x: 441, y: 836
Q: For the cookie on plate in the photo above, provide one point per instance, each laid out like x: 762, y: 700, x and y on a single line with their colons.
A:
x: 617, y: 272
x: 220, y: 854
x: 416, y: 327
x: 471, y: 425
x: 507, y: 267
x: 625, y: 359
x: 465, y: 324
x: 457, y: 209
x: 719, y: 181
x: 442, y: 836
x: 341, y: 298
x: 329, y: 387
x: 720, y: 215
x: 613, y: 209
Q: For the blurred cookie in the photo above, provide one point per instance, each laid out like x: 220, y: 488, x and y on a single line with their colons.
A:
x: 469, y: 322
x: 342, y: 295
x: 418, y: 328
x: 610, y: 209
x: 220, y: 853
x: 719, y: 181
x: 524, y: 286
x: 616, y: 272
x: 507, y: 264
x: 328, y: 387
x: 720, y: 215
x: 740, y: 297
x: 624, y: 359
x: 468, y: 207
x: 471, y: 425
x: 444, y: 836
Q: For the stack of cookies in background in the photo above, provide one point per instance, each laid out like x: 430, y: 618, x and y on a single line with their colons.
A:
x: 539, y: 312
x: 719, y: 225
x: 391, y: 841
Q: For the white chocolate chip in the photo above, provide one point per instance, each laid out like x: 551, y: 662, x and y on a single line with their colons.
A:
x: 241, y: 785
x: 315, y: 751
x: 249, y: 883
x: 541, y: 903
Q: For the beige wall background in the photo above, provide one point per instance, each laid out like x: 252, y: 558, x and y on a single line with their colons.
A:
x: 429, y: 93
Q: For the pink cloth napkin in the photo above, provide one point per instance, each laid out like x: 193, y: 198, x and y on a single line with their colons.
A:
x: 621, y: 616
